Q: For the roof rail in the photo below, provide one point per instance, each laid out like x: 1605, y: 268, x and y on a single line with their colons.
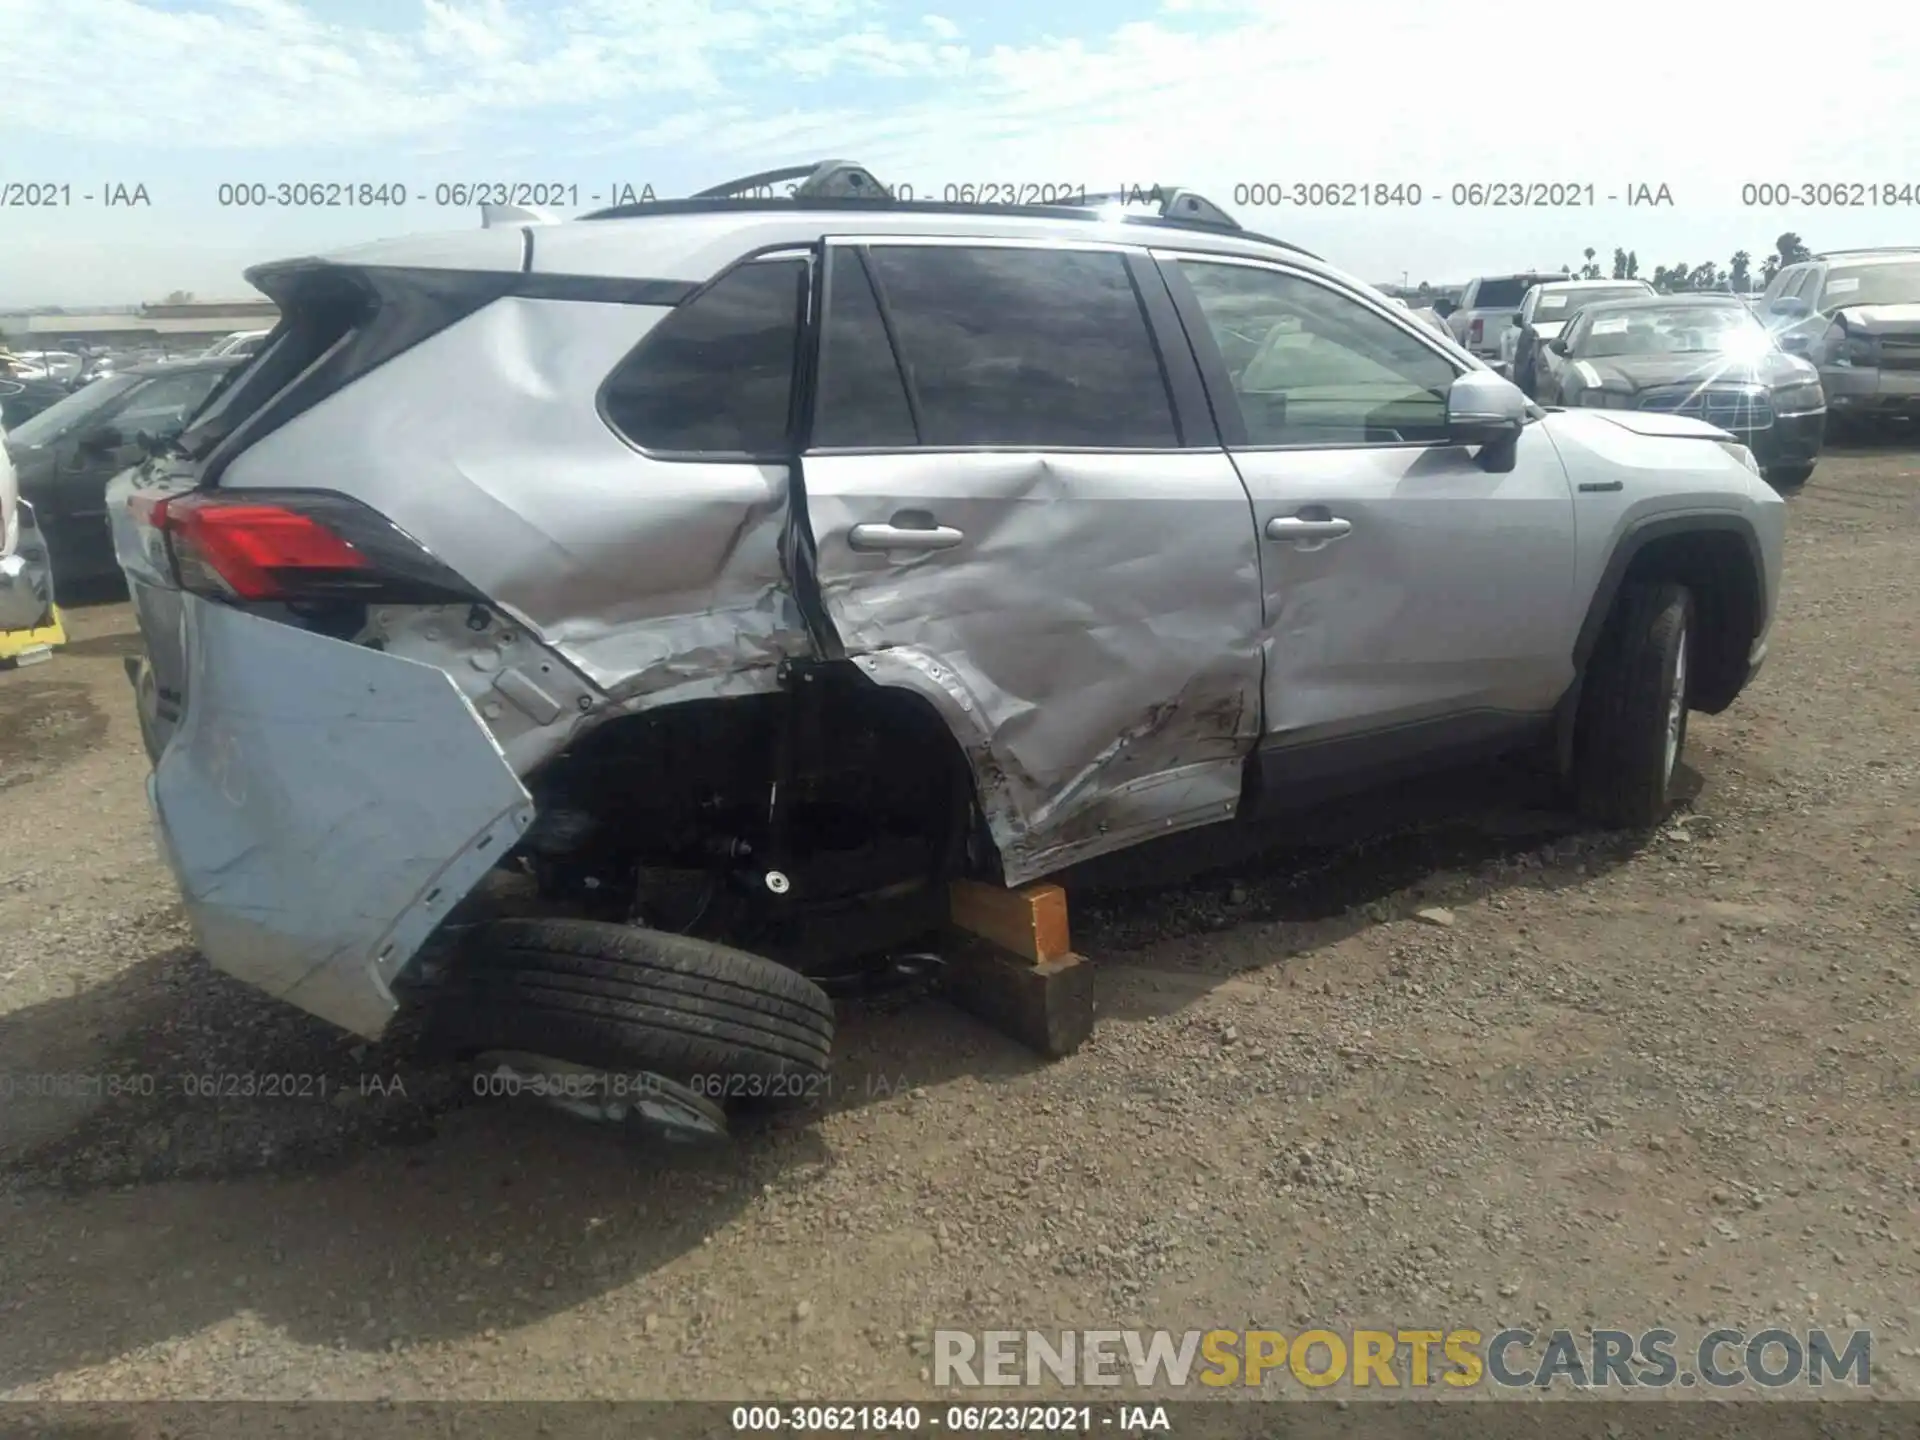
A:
x: 830, y: 183
x: 1869, y: 250
x: 1176, y: 203
x: 822, y: 180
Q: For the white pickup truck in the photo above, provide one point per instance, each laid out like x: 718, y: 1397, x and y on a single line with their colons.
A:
x: 1488, y: 305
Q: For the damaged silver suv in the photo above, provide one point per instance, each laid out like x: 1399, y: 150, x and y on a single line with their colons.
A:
x: 603, y: 634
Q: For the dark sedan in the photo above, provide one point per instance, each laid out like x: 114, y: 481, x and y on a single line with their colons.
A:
x: 1701, y: 355
x: 66, y: 454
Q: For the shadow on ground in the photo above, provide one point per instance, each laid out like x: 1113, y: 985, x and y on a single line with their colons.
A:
x: 355, y: 1196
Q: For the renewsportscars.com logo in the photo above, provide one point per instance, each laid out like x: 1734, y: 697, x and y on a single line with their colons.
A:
x: 1409, y: 1359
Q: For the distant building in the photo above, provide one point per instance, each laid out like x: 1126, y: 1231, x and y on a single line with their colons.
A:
x: 181, y: 328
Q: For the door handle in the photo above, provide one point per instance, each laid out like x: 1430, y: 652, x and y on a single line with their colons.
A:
x: 870, y: 538
x: 1294, y: 527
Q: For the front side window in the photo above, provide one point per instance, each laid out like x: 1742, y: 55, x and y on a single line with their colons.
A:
x: 1324, y: 369
x: 70, y: 414
x: 863, y: 396
x: 1011, y: 346
x: 715, y: 377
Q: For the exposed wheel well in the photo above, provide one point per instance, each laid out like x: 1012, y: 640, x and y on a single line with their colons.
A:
x: 1718, y: 567
x: 829, y: 796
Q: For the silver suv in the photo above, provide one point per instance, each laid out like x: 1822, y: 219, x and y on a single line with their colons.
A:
x: 1856, y: 315
x: 719, y: 579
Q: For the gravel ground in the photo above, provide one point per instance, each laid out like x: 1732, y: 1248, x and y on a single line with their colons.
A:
x: 1593, y: 1083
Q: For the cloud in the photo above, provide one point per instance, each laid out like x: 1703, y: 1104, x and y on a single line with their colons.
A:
x: 270, y: 74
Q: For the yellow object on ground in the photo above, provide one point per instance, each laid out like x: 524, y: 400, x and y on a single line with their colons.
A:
x: 26, y: 646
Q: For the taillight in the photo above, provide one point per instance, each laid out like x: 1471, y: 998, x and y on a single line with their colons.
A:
x: 293, y: 546
x: 1476, y: 330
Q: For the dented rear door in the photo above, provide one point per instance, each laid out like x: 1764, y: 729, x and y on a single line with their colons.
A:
x: 1020, y: 510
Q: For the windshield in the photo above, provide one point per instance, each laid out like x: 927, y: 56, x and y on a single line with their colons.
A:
x: 1896, y: 283
x: 1674, y: 330
x: 58, y: 418
x: 1555, y: 306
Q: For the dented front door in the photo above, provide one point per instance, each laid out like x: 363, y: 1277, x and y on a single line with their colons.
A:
x: 1015, y: 518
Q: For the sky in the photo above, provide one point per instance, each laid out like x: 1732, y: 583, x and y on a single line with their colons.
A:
x: 1241, y: 100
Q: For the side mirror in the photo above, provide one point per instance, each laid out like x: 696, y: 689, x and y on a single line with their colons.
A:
x: 1444, y: 308
x: 1796, y: 344
x: 1558, y: 345
x: 1789, y: 307
x: 1487, y: 411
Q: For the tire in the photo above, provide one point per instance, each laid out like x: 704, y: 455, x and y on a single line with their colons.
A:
x: 1789, y: 477
x: 616, y: 997
x: 1631, y: 728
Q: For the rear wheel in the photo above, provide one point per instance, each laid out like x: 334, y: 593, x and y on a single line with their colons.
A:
x: 617, y: 998
x: 1632, y: 725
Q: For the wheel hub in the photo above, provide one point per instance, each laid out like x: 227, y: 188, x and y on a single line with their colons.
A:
x: 1677, y: 705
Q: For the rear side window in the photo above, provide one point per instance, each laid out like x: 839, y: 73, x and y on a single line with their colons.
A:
x: 715, y: 377
x: 1011, y: 346
x: 162, y: 403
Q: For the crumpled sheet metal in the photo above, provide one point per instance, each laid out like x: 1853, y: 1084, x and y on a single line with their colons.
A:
x: 657, y: 580
x: 323, y: 806
x: 1094, y: 641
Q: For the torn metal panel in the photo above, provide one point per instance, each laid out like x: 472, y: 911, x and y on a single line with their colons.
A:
x: 323, y: 806
x: 1092, y: 637
x: 532, y: 701
x: 656, y: 580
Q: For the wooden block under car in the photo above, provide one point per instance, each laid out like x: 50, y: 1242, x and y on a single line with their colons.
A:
x: 1030, y: 923
x: 1047, y: 1007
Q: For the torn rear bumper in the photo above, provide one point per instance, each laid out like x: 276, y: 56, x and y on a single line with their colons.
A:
x: 323, y: 806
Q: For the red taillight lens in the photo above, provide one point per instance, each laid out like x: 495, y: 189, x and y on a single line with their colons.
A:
x: 254, y: 552
x: 294, y: 546
x: 1476, y: 331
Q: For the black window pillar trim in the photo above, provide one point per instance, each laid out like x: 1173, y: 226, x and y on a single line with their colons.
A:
x: 862, y: 253
x: 1216, y: 380
x: 799, y: 553
x: 1195, y: 420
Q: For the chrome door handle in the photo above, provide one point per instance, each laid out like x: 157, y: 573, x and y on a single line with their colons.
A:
x: 1292, y: 527
x: 869, y: 538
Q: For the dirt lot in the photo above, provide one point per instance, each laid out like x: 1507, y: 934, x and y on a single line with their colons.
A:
x: 1670, y: 1084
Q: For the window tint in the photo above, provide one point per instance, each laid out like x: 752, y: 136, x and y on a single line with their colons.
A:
x: 1321, y: 368
x: 862, y: 398
x: 1013, y: 346
x: 716, y: 375
x: 1502, y: 294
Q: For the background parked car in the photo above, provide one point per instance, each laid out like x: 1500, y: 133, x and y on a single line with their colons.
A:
x: 66, y: 454
x: 1488, y: 305
x: 240, y: 342
x: 1856, y: 315
x: 1545, y: 313
x: 1699, y: 355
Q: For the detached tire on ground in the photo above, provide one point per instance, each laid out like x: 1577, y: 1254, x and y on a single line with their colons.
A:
x: 619, y: 998
x: 1632, y: 723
